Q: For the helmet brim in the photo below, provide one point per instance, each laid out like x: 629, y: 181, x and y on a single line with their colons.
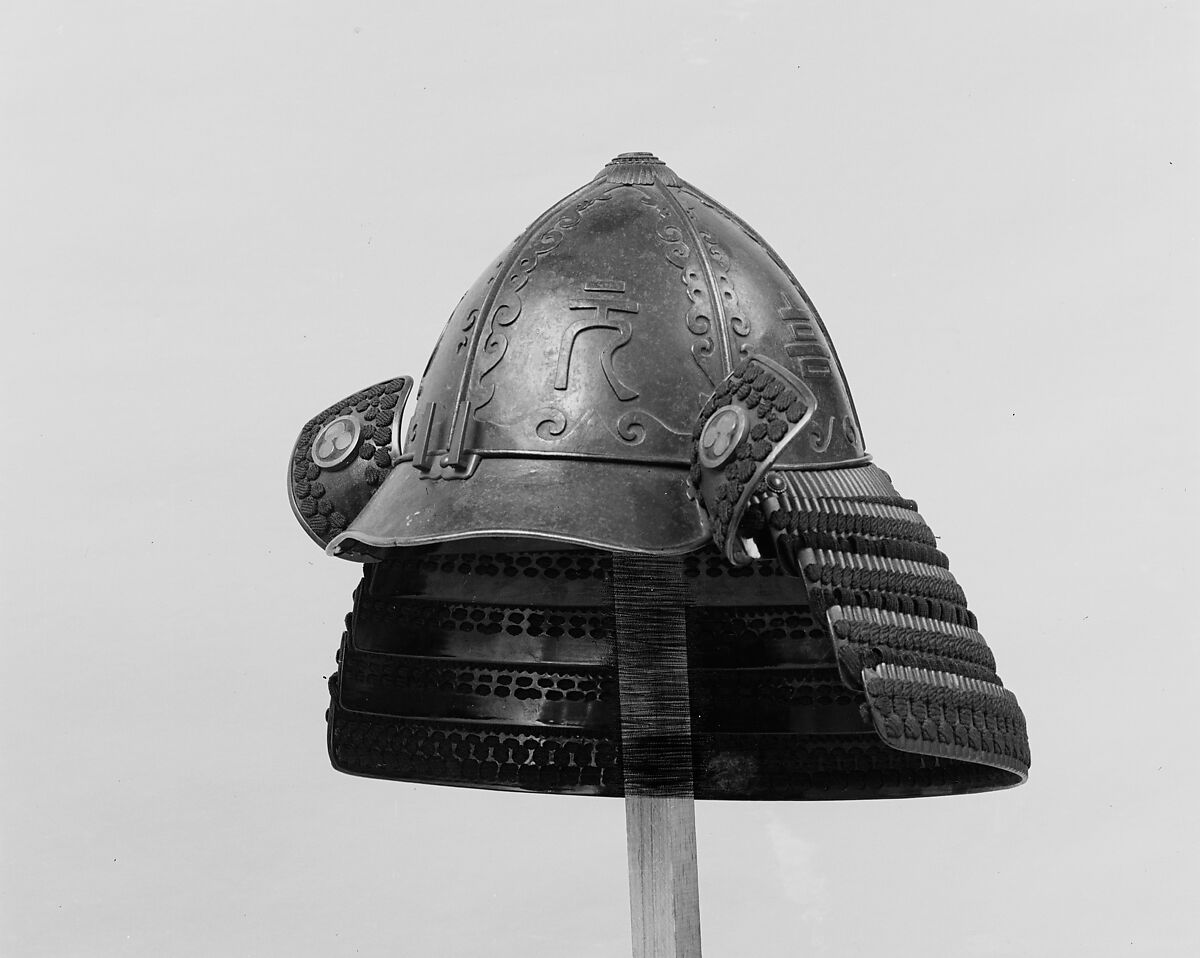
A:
x: 627, y: 507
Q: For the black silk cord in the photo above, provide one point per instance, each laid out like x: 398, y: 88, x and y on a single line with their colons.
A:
x: 650, y: 599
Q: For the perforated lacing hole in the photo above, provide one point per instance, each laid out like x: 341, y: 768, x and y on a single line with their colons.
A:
x: 489, y: 619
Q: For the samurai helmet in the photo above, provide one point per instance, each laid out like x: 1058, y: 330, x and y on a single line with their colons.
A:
x: 639, y: 373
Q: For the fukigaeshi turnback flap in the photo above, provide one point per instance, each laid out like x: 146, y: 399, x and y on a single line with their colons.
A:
x: 640, y: 374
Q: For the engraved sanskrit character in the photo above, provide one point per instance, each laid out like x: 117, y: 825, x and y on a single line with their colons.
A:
x: 603, y: 319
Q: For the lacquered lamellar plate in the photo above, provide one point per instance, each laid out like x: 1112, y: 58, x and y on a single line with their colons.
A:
x: 497, y: 670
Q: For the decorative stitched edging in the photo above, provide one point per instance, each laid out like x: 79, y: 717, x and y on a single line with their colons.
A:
x: 943, y: 714
x: 871, y: 563
x: 929, y: 590
x: 824, y: 516
x: 866, y: 637
x: 877, y: 522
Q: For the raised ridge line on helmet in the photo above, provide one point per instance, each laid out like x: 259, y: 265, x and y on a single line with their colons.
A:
x: 778, y: 260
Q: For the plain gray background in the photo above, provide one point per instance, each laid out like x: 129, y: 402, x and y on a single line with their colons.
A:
x: 220, y: 217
